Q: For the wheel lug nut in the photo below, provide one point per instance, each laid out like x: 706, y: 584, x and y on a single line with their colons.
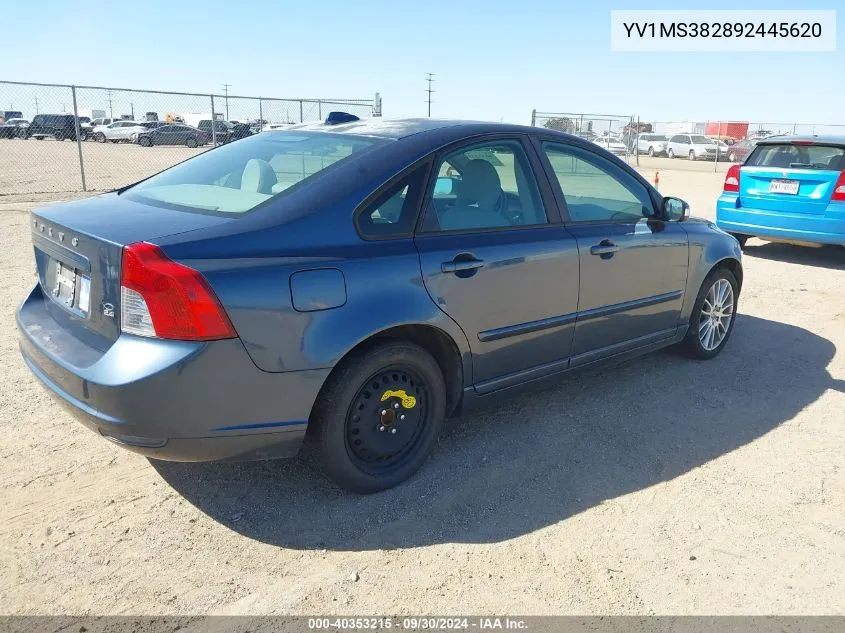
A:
x: 396, y: 406
x: 383, y: 411
x: 381, y: 428
x: 402, y: 417
x: 393, y: 431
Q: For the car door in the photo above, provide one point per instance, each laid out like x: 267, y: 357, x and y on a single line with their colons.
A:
x: 633, y: 266
x: 495, y: 258
x: 168, y: 135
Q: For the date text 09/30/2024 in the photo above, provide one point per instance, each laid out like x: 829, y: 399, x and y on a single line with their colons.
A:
x: 418, y: 623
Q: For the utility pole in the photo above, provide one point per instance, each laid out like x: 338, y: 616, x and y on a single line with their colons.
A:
x: 132, y: 109
x: 111, y: 110
x: 226, y: 99
x: 36, y: 104
x: 429, y: 77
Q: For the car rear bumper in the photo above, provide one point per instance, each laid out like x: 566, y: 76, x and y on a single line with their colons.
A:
x: 170, y: 400
x: 827, y: 228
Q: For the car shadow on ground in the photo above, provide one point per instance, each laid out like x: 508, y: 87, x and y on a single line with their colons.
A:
x: 832, y: 257
x: 538, y: 458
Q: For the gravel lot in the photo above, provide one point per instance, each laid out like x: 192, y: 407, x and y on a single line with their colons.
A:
x: 660, y: 486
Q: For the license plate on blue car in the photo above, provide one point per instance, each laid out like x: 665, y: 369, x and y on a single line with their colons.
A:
x: 784, y: 186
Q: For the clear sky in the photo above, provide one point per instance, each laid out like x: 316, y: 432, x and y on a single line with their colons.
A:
x: 493, y: 59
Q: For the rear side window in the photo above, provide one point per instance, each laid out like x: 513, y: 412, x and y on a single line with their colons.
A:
x: 786, y: 155
x: 393, y: 212
x: 238, y: 177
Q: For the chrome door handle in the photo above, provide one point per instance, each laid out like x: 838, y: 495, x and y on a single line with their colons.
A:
x: 459, y: 265
x: 605, y: 247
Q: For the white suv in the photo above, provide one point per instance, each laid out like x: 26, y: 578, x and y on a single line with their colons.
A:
x: 692, y: 146
x: 651, y: 144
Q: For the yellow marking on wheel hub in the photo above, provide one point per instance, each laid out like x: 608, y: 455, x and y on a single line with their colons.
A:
x: 408, y: 402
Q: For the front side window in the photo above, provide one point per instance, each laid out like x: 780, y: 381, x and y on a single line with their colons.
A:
x: 485, y: 186
x: 595, y: 190
x: 236, y: 178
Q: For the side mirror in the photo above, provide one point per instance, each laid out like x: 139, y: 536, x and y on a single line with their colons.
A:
x: 444, y: 186
x: 674, y: 209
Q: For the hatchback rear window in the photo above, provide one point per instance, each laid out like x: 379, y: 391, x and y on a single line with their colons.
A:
x: 238, y: 177
x: 786, y: 155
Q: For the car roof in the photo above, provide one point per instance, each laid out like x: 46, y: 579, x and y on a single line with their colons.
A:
x: 402, y: 128
x: 832, y: 139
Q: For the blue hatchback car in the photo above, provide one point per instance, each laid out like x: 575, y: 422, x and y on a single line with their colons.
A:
x: 789, y: 188
x: 359, y: 282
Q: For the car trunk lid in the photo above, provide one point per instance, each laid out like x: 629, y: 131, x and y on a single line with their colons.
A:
x: 78, y: 249
x: 791, y: 177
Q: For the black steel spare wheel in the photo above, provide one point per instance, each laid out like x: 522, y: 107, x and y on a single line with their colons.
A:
x: 386, y: 418
x: 378, y: 415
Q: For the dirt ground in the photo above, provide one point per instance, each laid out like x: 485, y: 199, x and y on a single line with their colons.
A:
x: 660, y: 486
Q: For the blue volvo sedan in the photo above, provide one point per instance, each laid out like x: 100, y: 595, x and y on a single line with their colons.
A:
x: 790, y: 188
x: 358, y: 282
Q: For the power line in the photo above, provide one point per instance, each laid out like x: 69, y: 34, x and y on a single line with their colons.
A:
x: 429, y: 78
x: 226, y: 98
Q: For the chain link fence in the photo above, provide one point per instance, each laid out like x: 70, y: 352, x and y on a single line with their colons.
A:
x: 62, y: 138
x: 734, y: 139
x: 611, y: 131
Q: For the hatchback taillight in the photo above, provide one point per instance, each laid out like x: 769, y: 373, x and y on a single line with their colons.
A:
x: 839, y: 188
x: 164, y: 299
x: 732, y: 179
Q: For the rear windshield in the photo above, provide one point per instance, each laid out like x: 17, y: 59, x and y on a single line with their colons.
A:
x: 701, y: 140
x: 787, y: 155
x: 237, y: 177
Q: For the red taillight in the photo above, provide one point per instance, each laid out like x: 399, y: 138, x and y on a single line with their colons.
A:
x: 732, y: 179
x: 179, y: 302
x: 839, y: 188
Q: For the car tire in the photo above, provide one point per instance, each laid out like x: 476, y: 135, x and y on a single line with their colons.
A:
x: 191, y: 142
x: 651, y: 151
x: 145, y: 141
x: 115, y: 141
x: 100, y: 137
x: 718, y: 294
x: 359, y: 423
x: 671, y: 154
x: 59, y: 136
x: 692, y: 154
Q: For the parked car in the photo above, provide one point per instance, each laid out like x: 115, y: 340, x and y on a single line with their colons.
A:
x: 222, y: 130
x: 738, y: 152
x: 57, y: 126
x: 651, y: 144
x: 13, y: 128
x: 8, y: 115
x: 692, y: 146
x: 241, y: 130
x: 102, y: 121
x: 85, y: 127
x: 144, y: 126
x: 789, y: 188
x: 118, y: 131
x: 173, y: 134
x: 334, y: 279
x: 612, y: 144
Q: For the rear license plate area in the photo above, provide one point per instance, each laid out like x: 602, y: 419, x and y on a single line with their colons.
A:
x: 71, y: 288
x: 789, y: 187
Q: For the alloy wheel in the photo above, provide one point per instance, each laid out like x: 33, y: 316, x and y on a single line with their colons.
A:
x: 717, y: 311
